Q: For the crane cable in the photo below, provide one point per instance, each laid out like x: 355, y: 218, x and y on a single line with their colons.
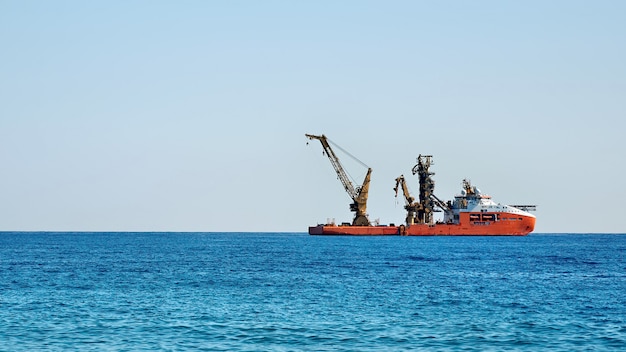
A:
x: 350, y: 155
x: 353, y: 158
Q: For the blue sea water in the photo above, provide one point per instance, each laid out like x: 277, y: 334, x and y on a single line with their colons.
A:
x: 291, y: 292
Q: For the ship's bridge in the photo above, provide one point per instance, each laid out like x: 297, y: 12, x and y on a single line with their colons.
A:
x: 472, y: 199
x: 483, y: 203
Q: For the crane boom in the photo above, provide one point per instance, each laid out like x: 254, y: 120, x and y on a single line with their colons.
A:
x: 359, y: 194
x: 334, y: 160
x: 400, y: 181
x: 411, y: 207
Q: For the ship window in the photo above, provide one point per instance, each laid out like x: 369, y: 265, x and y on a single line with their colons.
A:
x: 488, y: 217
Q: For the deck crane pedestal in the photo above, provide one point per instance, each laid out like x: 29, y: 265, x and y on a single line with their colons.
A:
x: 358, y: 194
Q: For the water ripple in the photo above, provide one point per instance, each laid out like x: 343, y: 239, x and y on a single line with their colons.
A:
x: 278, y: 292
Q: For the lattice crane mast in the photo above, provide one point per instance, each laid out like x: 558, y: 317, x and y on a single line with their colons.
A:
x: 359, y: 194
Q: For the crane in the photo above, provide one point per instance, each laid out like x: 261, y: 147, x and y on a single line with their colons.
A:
x: 411, y: 207
x: 359, y: 194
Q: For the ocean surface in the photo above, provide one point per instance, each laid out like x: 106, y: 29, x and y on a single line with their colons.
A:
x: 292, y: 292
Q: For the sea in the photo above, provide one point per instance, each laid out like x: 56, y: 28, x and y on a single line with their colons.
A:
x: 145, y: 291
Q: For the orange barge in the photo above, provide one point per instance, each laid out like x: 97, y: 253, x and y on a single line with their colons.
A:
x: 471, y: 213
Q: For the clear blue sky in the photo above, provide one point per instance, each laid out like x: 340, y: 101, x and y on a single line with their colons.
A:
x: 191, y: 115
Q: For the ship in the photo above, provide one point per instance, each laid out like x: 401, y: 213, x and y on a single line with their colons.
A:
x: 471, y: 213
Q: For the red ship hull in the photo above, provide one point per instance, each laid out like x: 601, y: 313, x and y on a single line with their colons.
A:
x: 506, y: 225
x: 349, y: 230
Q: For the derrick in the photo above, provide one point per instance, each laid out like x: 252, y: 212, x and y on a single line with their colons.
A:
x: 410, y: 206
x: 359, y: 194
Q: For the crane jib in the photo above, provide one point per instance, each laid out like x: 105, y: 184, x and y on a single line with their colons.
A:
x: 358, y: 195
